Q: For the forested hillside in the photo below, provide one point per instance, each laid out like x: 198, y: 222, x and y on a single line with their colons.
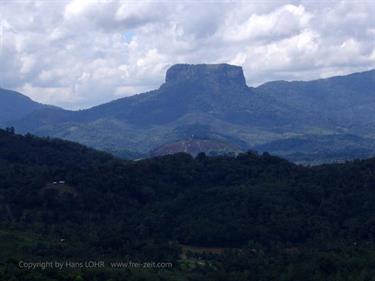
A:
x: 249, y: 217
x: 312, y: 120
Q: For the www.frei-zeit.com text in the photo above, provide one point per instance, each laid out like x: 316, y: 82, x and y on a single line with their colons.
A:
x: 60, y: 265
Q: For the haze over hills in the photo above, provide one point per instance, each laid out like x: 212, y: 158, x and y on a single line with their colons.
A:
x: 213, y: 102
x: 14, y: 105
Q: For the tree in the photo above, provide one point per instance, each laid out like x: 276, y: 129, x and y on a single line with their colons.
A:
x: 10, y: 130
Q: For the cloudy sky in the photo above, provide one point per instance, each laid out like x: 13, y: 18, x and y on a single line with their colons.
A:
x: 77, y: 54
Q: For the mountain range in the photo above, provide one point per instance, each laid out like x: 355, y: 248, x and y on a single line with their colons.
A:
x: 320, y: 120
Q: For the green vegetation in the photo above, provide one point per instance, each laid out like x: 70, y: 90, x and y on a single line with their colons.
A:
x: 249, y: 217
x: 317, y: 121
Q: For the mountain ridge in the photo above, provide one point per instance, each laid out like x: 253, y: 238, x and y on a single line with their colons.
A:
x: 216, y: 98
x: 14, y: 105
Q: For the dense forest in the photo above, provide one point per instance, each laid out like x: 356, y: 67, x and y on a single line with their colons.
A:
x: 246, y: 217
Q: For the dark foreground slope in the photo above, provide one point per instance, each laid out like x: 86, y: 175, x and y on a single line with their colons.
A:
x: 250, y: 217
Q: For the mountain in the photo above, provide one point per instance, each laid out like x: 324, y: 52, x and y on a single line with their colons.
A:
x: 14, y: 105
x: 345, y: 101
x: 213, y: 102
x: 209, y: 218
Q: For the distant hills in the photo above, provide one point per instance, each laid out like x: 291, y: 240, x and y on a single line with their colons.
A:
x: 14, y: 105
x: 299, y: 120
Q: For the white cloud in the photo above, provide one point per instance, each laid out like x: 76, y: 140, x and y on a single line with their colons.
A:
x: 81, y: 53
x: 75, y: 8
x: 285, y: 21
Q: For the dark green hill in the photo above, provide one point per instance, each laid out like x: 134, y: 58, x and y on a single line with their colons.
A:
x: 63, y: 201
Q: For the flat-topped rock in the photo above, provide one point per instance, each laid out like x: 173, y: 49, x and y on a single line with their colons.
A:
x: 211, y: 73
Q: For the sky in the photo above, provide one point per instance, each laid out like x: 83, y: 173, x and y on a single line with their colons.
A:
x: 77, y: 54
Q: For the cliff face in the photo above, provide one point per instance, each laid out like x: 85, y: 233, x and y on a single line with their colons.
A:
x: 219, y: 74
x: 205, y: 88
